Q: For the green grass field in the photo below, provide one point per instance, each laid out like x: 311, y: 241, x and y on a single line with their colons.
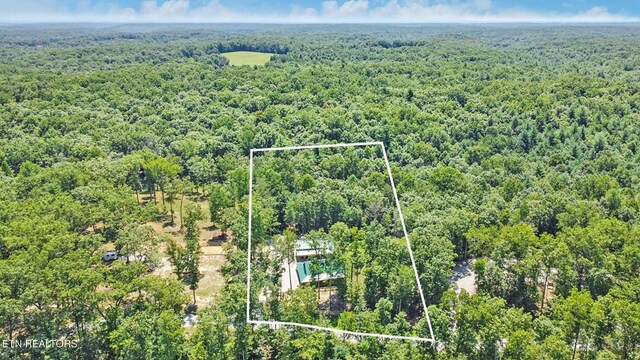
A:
x: 239, y: 58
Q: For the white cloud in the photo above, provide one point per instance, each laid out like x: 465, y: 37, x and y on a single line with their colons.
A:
x: 181, y: 10
x: 168, y: 8
x: 216, y: 10
x: 357, y: 11
x: 348, y: 9
x: 473, y: 11
x: 298, y: 12
x: 483, y: 4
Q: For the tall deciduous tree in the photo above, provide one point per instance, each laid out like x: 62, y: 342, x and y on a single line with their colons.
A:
x: 213, y: 337
x: 192, y: 249
x: 434, y: 260
x: 149, y: 336
x: 162, y: 171
x: 137, y: 242
x: 219, y: 199
x: 578, y: 316
x: 286, y: 245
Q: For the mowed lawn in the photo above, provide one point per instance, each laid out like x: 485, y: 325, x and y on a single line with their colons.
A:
x: 239, y: 58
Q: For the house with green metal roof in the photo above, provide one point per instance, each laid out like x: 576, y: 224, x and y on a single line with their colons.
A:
x: 307, y: 254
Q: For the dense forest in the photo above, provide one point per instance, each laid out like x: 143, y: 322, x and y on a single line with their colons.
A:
x: 339, y: 204
x: 515, y: 152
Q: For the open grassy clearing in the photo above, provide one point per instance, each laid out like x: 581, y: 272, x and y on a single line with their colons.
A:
x: 212, y: 257
x: 251, y: 58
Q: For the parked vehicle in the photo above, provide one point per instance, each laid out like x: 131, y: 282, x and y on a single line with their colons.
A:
x: 108, y: 256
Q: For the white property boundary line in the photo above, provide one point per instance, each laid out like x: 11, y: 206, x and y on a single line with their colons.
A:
x: 404, y: 229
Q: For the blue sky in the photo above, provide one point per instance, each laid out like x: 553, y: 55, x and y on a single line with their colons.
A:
x: 321, y: 11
